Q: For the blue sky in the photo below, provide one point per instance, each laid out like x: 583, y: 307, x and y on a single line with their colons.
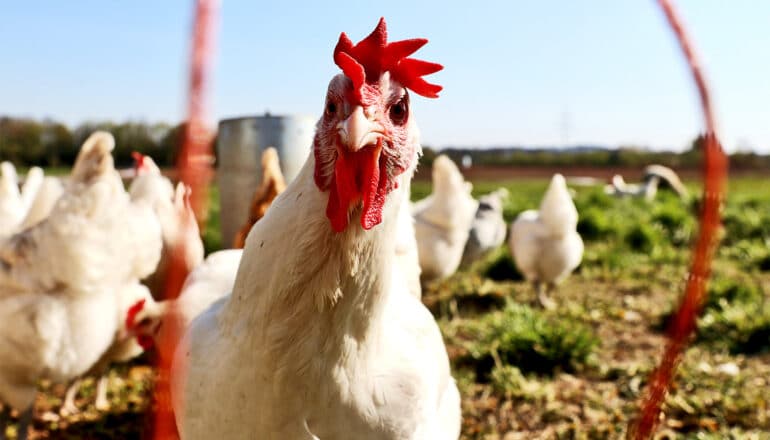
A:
x: 515, y: 72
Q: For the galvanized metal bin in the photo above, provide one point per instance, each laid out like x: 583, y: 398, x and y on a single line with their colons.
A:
x: 240, y: 143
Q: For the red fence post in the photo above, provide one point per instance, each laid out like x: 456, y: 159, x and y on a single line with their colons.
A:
x: 714, y: 178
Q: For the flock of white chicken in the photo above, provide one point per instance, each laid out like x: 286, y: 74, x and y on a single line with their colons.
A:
x: 453, y: 230
x: 73, y: 251
x: 315, y: 330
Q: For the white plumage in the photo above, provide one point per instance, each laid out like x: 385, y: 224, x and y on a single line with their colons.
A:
x: 29, y: 188
x: 407, y: 256
x: 211, y: 280
x: 94, y: 236
x: 11, y: 206
x: 545, y: 244
x: 443, y: 220
x: 313, y: 368
x: 321, y: 337
x: 51, y: 188
x: 20, y: 209
x: 488, y: 228
x: 654, y: 176
x: 123, y: 348
x: 58, y: 279
x: 177, y: 220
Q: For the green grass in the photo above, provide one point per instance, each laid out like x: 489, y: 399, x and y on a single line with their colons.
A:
x: 606, y: 333
x: 522, y: 369
x: 527, y: 338
x: 212, y: 234
x: 579, y: 371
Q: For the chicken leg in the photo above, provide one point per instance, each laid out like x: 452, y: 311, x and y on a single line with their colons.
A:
x: 543, y: 297
x: 69, y: 407
x: 102, y: 403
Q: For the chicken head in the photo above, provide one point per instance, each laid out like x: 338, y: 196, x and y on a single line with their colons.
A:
x: 367, y: 137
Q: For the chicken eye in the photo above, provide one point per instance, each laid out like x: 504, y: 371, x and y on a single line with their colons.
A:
x: 399, y: 112
x: 331, y: 108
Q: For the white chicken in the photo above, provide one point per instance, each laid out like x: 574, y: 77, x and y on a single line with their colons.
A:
x: 51, y: 188
x: 207, y: 283
x: 30, y: 187
x: 58, y: 307
x: 545, y: 243
x: 654, y: 176
x: 11, y: 206
x: 488, y: 228
x: 176, y: 216
x: 443, y: 221
x: 273, y: 183
x: 407, y: 256
x: 124, y: 347
x: 321, y: 337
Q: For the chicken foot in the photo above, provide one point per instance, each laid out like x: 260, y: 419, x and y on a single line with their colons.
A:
x: 543, y: 295
x: 102, y: 403
x: 69, y: 407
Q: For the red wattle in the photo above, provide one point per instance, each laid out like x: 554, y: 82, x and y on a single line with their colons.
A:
x: 374, y: 199
x: 357, y: 177
x: 145, y: 342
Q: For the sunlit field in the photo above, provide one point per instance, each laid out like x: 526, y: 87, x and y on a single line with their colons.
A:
x: 577, y: 371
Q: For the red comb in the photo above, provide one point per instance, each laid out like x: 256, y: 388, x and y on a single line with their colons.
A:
x: 373, y: 56
x: 138, y: 160
x: 132, y: 312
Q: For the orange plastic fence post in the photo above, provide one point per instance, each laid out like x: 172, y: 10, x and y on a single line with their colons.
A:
x: 194, y: 166
x: 714, y: 179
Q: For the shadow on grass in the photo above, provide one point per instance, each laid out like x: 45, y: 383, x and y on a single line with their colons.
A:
x: 111, y: 426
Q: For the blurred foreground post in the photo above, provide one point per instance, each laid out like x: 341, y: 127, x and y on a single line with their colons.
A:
x: 194, y: 166
x: 714, y: 178
x: 195, y: 155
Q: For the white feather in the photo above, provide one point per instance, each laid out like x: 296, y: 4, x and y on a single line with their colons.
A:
x: 320, y: 337
x: 545, y: 244
x: 443, y: 220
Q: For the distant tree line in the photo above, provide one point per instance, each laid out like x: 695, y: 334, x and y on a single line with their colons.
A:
x: 49, y: 143
x: 595, y: 156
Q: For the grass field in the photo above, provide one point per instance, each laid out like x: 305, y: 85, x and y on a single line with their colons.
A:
x: 576, y: 372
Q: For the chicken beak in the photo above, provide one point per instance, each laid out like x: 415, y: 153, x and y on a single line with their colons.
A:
x: 359, y: 129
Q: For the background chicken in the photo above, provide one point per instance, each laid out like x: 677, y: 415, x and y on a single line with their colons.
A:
x: 207, y: 283
x: 30, y: 186
x: 336, y: 345
x: 175, y: 214
x: 272, y: 184
x: 94, y: 236
x: 58, y: 279
x: 11, y: 207
x: 407, y: 256
x: 443, y: 220
x: 34, y: 202
x: 653, y: 176
x: 488, y: 228
x: 124, y: 347
x: 51, y: 188
x: 545, y: 244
